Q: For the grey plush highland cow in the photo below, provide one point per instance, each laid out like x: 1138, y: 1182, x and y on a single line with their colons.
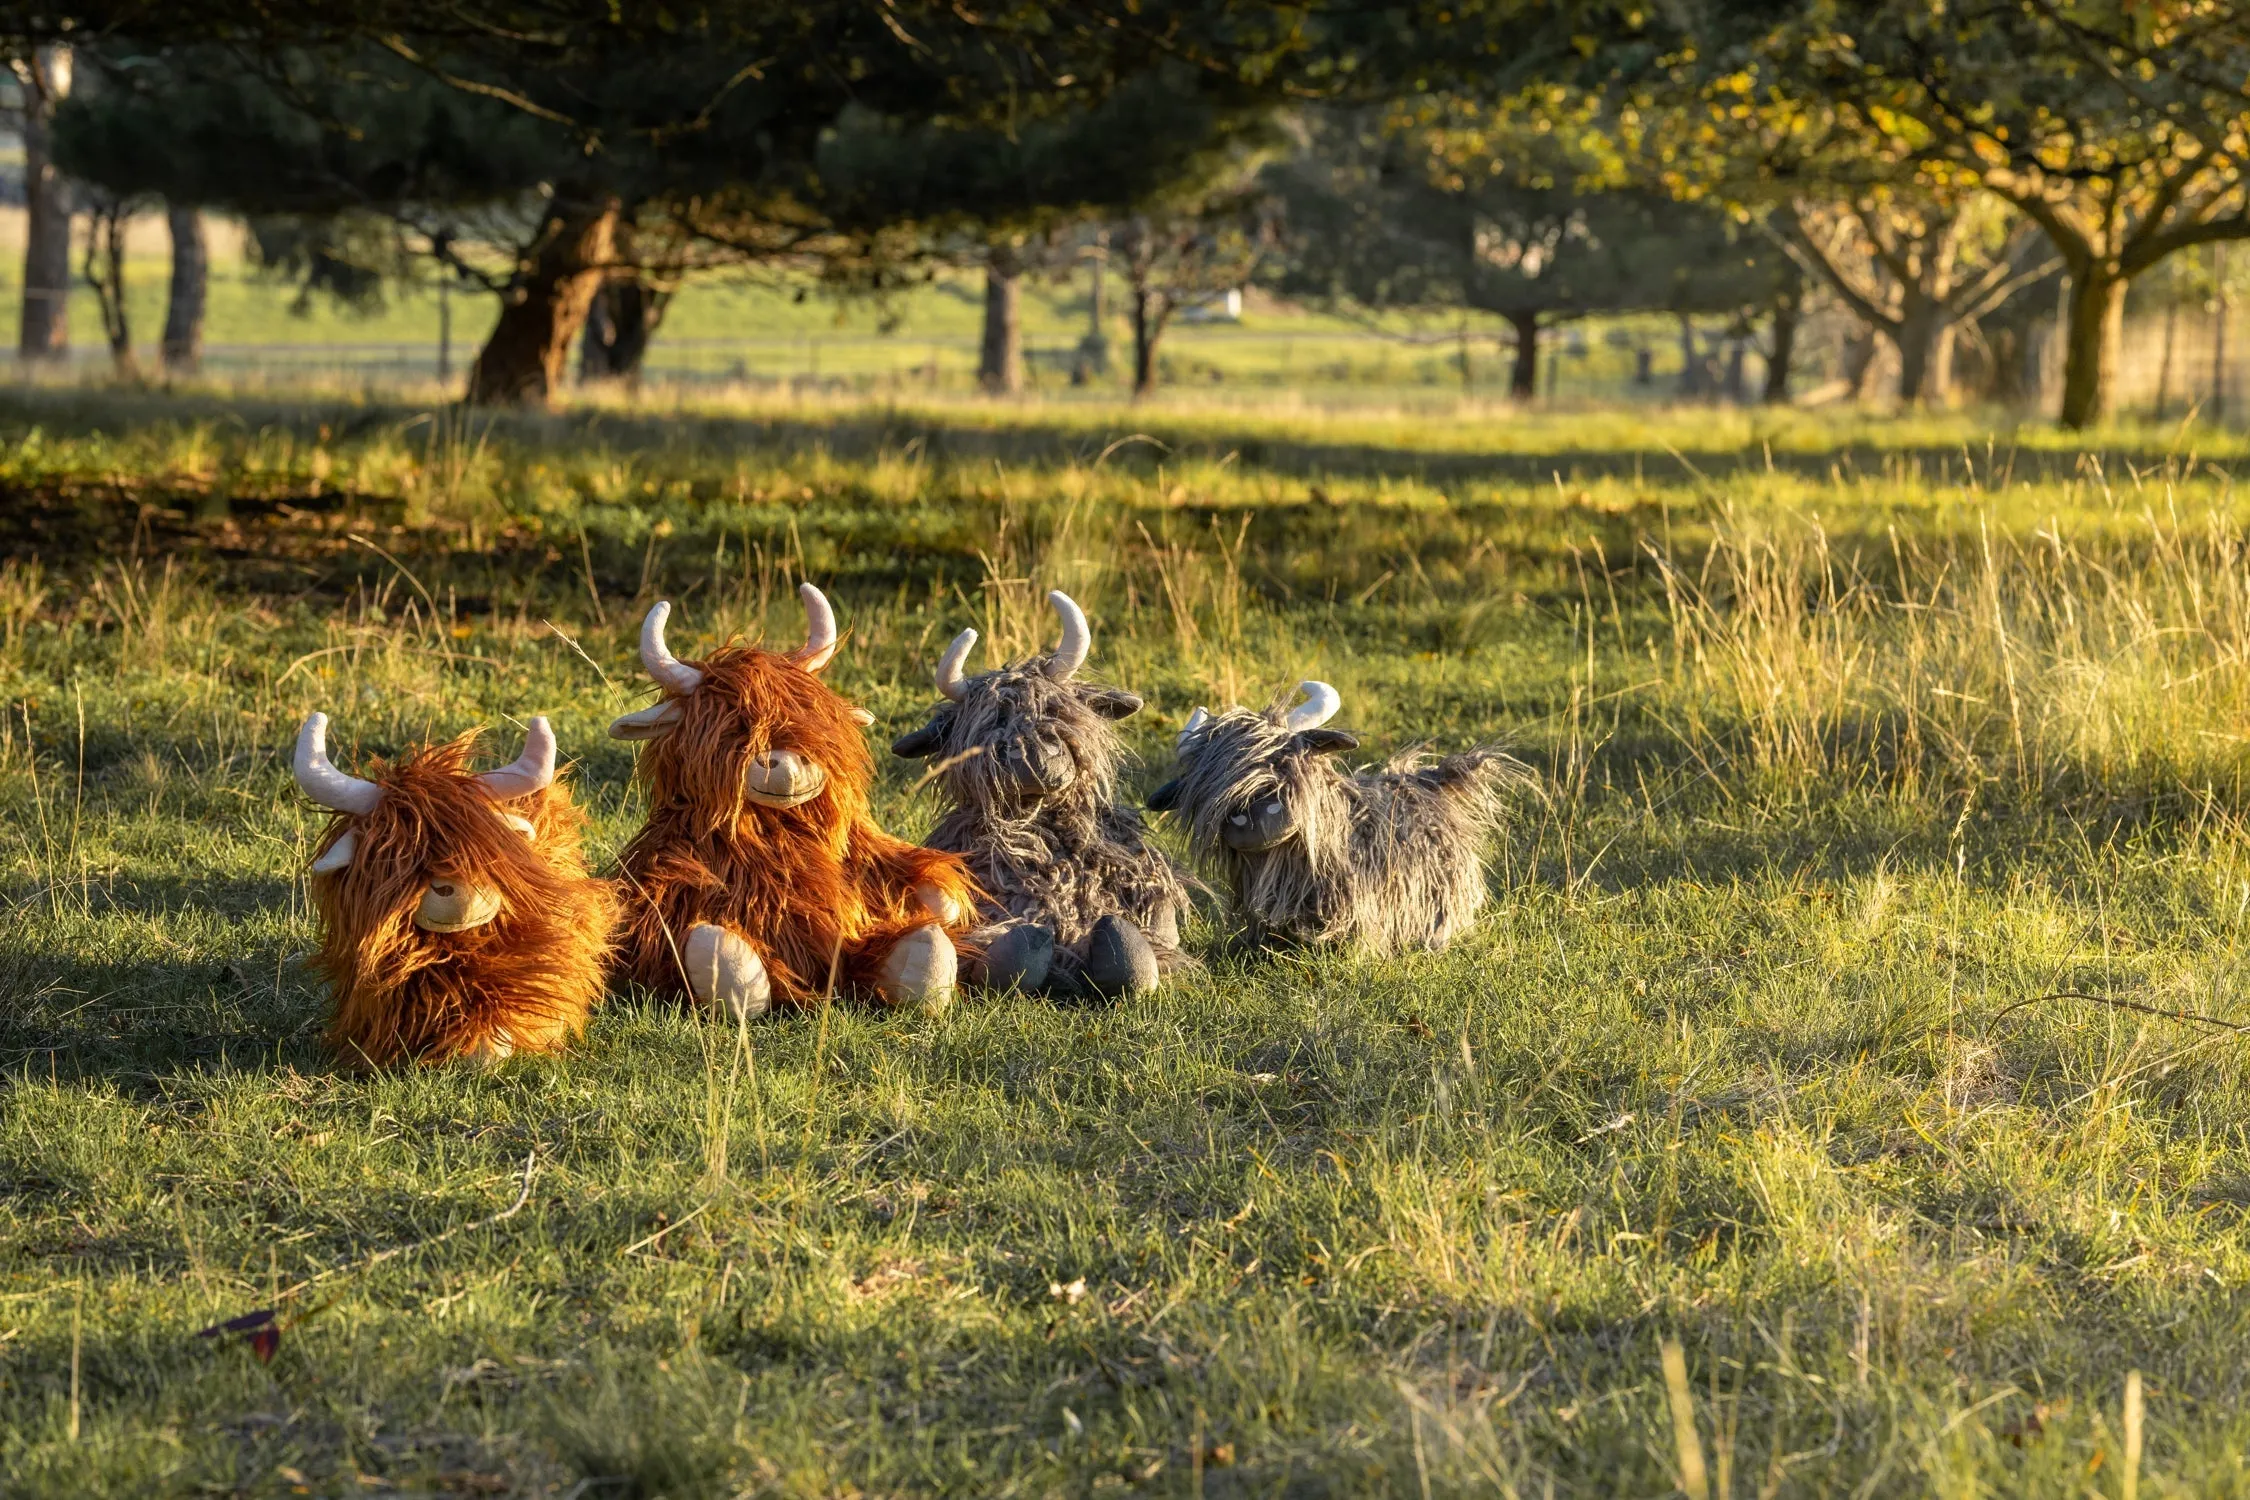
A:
x: 1078, y: 899
x: 1378, y: 860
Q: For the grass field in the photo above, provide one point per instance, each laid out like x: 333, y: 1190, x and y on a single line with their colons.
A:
x: 1852, y: 737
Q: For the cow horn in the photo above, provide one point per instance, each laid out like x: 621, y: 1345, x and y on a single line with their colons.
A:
x: 669, y: 672
x: 820, y: 630
x: 1320, y: 705
x: 322, y: 782
x: 1077, y: 641
x: 533, y: 771
x: 1196, y: 720
x: 949, y: 665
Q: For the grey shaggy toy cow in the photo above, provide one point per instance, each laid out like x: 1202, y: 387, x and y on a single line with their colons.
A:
x: 1077, y: 897
x: 1379, y: 860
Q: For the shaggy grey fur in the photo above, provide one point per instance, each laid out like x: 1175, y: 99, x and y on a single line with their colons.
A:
x: 1379, y: 860
x: 1028, y: 759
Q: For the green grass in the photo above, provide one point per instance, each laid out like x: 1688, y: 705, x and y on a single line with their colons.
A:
x: 1852, y: 736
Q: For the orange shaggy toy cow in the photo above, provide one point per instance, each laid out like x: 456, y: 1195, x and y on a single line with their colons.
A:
x: 760, y: 874
x: 457, y: 918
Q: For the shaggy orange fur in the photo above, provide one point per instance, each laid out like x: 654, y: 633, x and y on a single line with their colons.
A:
x: 809, y: 886
x: 524, y: 981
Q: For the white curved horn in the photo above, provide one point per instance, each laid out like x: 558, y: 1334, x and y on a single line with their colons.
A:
x: 1077, y: 640
x: 669, y: 672
x: 820, y: 630
x: 321, y: 781
x: 533, y: 771
x: 1320, y: 705
x: 1196, y: 720
x: 949, y: 677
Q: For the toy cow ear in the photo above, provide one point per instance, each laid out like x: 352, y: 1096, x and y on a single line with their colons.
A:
x: 927, y: 740
x: 1165, y: 797
x: 1327, y: 741
x: 1113, y: 703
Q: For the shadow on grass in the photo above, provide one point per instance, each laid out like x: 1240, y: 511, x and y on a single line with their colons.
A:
x: 1011, y: 435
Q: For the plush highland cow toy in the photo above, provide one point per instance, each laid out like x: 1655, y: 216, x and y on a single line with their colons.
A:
x: 1381, y: 861
x: 1075, y: 896
x: 457, y: 917
x: 760, y: 874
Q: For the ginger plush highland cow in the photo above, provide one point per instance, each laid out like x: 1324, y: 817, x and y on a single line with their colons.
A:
x: 457, y: 917
x: 760, y: 875
x: 1381, y: 861
x: 1076, y: 897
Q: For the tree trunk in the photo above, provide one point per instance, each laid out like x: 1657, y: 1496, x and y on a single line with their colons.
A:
x: 45, y: 329
x: 1148, y: 328
x: 621, y: 320
x: 1000, y: 361
x: 546, y: 306
x: 1925, y: 353
x: 2219, y: 314
x: 2090, y: 343
x: 1735, y: 385
x: 1781, y: 352
x: 105, y: 272
x: 191, y: 276
x: 1694, y: 381
x: 1859, y: 359
x: 1093, y: 350
x: 1523, y: 375
x: 2164, y: 364
x: 2009, y: 354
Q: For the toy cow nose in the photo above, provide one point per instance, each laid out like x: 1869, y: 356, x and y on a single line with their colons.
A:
x: 1259, y: 827
x: 456, y: 906
x: 1037, y: 764
x: 782, y: 778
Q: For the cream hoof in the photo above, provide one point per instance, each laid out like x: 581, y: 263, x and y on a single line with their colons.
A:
x: 722, y: 969
x: 492, y: 1051
x: 919, y: 970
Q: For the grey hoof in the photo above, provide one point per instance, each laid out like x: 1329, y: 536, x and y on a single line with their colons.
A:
x: 1119, y: 960
x: 1020, y: 958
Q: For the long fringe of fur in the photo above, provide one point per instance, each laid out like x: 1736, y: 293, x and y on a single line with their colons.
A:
x: 1382, y: 860
x: 1064, y: 857
x: 817, y: 889
x: 528, y: 979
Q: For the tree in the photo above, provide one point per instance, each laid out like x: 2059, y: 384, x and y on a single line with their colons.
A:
x: 2120, y: 127
x: 1450, y: 203
x: 43, y: 77
x: 1915, y: 269
x: 104, y: 268
x: 1184, y: 253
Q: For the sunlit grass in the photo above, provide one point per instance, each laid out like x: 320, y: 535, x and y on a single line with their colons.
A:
x: 1851, y: 736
